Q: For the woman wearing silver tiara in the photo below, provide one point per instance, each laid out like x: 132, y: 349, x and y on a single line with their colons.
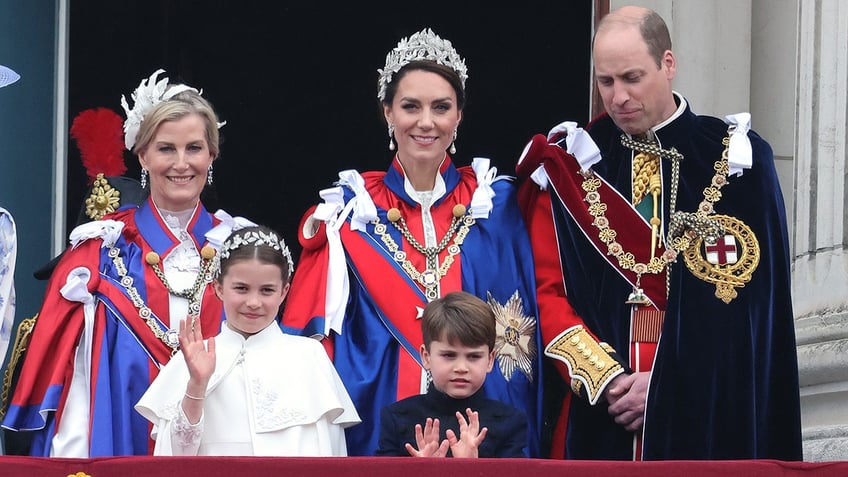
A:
x: 251, y: 390
x: 112, y: 309
x: 385, y: 243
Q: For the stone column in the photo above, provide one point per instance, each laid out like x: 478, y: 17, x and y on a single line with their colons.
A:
x: 820, y: 264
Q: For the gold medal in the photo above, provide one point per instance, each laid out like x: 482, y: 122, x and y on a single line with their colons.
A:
x: 729, y: 262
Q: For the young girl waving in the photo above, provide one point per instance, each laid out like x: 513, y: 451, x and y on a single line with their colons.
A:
x: 251, y: 390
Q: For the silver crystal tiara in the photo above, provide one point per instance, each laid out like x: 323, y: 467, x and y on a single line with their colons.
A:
x: 424, y: 45
x: 257, y: 239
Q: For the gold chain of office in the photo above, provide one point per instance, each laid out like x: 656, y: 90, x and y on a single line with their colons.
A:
x: 429, y: 278
x: 193, y: 294
x: 683, y: 228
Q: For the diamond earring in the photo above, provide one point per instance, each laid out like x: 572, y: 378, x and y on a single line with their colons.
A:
x: 391, y: 137
x: 143, y: 178
x: 453, y: 143
x: 209, y: 175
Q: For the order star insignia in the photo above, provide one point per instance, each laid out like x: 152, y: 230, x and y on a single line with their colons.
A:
x: 515, y: 344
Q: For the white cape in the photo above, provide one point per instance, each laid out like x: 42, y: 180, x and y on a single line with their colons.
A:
x: 270, y: 395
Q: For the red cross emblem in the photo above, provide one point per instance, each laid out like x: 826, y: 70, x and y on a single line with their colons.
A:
x: 723, y: 251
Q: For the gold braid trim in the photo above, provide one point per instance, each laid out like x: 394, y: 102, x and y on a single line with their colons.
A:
x: 645, y: 166
x: 21, y: 342
x: 590, y: 364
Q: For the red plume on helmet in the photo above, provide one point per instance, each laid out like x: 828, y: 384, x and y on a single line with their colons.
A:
x: 100, y: 139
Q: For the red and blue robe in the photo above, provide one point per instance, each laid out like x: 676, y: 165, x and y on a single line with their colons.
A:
x: 126, y: 355
x: 377, y: 351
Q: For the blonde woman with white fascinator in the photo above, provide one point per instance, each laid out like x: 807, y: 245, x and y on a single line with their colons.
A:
x: 111, y: 314
x: 385, y: 243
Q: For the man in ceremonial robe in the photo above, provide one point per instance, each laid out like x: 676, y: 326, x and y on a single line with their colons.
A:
x: 662, y: 264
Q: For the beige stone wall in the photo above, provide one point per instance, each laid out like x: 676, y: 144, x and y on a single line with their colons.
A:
x: 820, y: 264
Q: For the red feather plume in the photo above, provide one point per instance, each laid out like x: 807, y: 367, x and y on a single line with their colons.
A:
x: 99, y: 136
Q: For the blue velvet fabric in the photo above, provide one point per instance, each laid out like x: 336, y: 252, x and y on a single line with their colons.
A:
x: 725, y: 379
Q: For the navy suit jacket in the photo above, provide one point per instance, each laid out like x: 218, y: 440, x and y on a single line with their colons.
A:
x: 506, y: 437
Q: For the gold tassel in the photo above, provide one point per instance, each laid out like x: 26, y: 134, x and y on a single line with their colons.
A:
x: 656, y: 189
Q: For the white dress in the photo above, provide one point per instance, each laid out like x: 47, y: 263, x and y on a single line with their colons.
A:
x: 270, y: 395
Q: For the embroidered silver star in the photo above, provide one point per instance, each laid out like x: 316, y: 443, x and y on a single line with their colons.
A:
x: 515, y: 344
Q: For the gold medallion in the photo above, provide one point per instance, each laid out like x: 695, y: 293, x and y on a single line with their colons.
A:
x: 728, y: 263
x: 104, y: 199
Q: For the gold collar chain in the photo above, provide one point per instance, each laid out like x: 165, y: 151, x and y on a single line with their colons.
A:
x: 171, y: 338
x: 607, y: 235
x: 432, y: 274
x: 689, y: 231
x: 679, y: 236
x: 685, y: 227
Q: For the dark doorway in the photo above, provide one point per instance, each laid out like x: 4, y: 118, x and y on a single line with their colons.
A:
x: 296, y: 83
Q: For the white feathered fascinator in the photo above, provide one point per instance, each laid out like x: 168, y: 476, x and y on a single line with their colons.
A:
x: 149, y: 93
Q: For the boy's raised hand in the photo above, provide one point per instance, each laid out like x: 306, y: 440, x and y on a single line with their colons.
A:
x: 427, y: 440
x: 470, y: 435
